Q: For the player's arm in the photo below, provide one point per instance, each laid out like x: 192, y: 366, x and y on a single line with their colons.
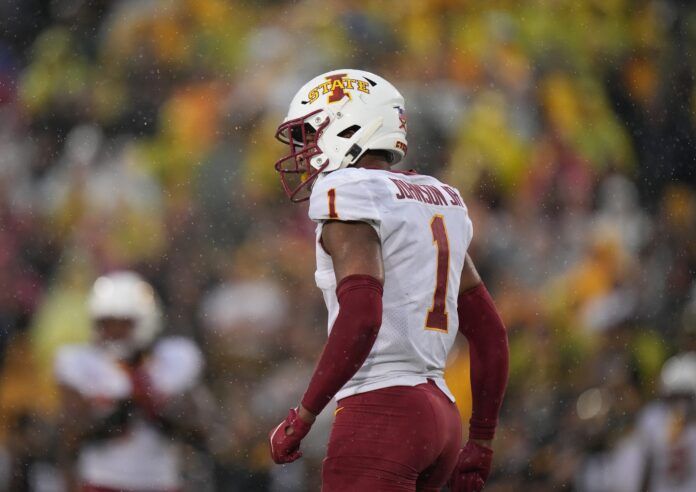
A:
x: 79, y: 423
x: 71, y: 431
x: 189, y: 416
x: 356, y: 253
x: 482, y: 326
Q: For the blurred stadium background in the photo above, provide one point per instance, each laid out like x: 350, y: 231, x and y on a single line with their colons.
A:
x: 139, y: 134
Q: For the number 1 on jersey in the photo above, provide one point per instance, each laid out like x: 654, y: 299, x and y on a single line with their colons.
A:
x: 437, y: 314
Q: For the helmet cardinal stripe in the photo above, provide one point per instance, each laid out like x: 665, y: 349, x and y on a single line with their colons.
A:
x: 337, y: 92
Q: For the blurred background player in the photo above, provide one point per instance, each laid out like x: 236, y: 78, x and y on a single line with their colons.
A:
x: 666, y: 431
x: 128, y: 397
x: 659, y: 452
x: 392, y: 264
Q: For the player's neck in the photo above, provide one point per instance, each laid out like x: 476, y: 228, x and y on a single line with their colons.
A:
x: 368, y: 161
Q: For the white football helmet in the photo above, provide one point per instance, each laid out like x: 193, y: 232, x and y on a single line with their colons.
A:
x: 333, y: 120
x: 678, y: 375
x: 125, y: 295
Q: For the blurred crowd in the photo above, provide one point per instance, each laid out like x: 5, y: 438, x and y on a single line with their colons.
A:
x: 139, y: 134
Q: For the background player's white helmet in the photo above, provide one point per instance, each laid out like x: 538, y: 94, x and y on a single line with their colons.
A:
x: 125, y: 295
x: 678, y: 376
x: 333, y: 120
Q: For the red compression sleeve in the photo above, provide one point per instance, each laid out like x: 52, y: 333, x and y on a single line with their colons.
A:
x: 352, y: 336
x: 488, y: 351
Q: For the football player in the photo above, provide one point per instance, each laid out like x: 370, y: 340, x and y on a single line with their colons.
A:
x: 661, y: 455
x: 392, y: 264
x: 127, y: 397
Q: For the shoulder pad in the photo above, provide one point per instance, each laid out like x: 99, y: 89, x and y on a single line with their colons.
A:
x: 347, y: 194
x: 88, y: 371
x: 176, y: 365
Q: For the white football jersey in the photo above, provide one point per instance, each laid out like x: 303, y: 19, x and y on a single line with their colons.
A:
x: 668, y: 442
x: 425, y: 231
x: 143, y: 458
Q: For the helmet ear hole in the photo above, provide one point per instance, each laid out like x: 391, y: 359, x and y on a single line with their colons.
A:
x: 349, y: 132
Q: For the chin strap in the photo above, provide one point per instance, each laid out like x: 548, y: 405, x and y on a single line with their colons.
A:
x: 357, y: 148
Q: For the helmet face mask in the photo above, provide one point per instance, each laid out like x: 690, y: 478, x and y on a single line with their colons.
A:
x: 302, y: 138
x: 332, y: 121
x: 115, y: 335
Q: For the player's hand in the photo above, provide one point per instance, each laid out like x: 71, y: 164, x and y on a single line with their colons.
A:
x: 472, y: 469
x: 286, y: 437
x: 144, y: 394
